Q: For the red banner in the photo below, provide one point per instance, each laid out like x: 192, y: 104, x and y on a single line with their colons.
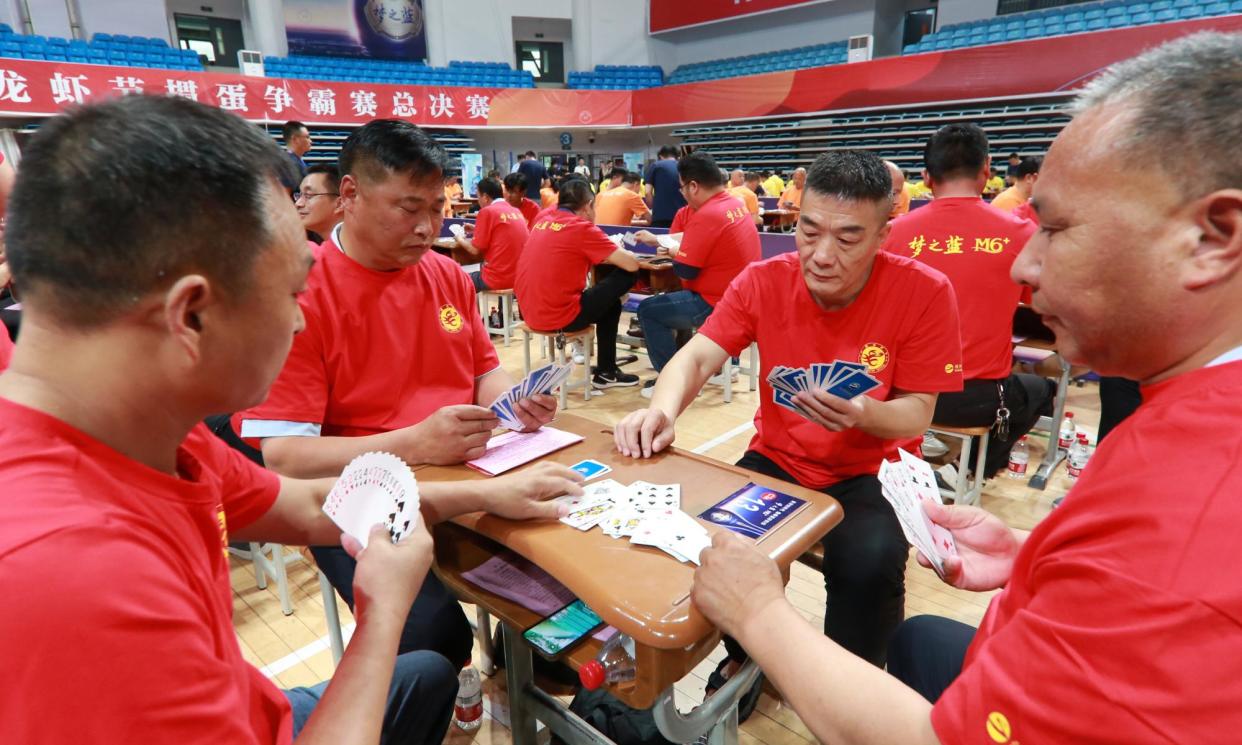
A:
x: 43, y: 88
x: 996, y: 71
x: 667, y: 15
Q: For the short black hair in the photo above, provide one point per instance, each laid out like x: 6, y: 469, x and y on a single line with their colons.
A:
x: 616, y: 173
x: 490, y: 187
x: 852, y: 176
x: 571, y: 177
x: 958, y: 150
x: 118, y: 199
x: 387, y: 146
x: 530, y: 153
x: 631, y: 177
x: 516, y: 182
x: 331, y: 171
x: 750, y: 176
x: 290, y: 130
x: 575, y: 194
x: 1028, y: 166
x: 766, y: 174
x: 668, y: 151
x: 701, y: 167
x: 1011, y: 156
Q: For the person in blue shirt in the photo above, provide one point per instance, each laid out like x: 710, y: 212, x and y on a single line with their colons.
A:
x: 535, y: 173
x: 664, y: 188
x: 297, y: 143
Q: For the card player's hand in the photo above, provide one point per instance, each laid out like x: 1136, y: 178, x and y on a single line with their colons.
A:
x: 535, y: 411
x: 389, y: 575
x: 735, y: 583
x: 453, y: 434
x: 524, y: 495
x: 986, y: 546
x: 831, y: 412
x: 644, y: 432
x: 647, y: 237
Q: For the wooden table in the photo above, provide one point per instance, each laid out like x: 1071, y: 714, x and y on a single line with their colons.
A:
x: 641, y: 591
x: 779, y: 218
x: 448, y: 247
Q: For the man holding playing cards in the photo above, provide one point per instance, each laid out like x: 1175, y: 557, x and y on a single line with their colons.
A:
x: 1119, y: 617
x: 838, y: 298
x: 394, y: 356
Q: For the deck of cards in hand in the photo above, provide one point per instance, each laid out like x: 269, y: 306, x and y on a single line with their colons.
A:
x: 648, y: 514
x: 840, y: 378
x: 906, y: 484
x: 374, y: 489
x: 540, y: 382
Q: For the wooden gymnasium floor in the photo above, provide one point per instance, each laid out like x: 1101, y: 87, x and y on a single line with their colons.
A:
x: 293, y: 650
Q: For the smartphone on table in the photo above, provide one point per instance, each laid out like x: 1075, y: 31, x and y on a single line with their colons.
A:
x: 563, y: 629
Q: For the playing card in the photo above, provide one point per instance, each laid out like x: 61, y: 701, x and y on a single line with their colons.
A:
x: 650, y: 529
x: 374, y: 488
x: 683, y: 536
x: 925, y: 489
x: 840, y: 370
x: 630, y: 239
x: 457, y: 230
x: 646, y: 497
x: 590, y: 468
x: 853, y: 384
x: 785, y: 399
x: 588, y: 515
x: 621, y: 522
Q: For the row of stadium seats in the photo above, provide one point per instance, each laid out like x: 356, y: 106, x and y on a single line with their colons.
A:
x: 397, y: 72
x: 788, y: 59
x: 618, y: 77
x: 103, y: 49
x: 1073, y: 19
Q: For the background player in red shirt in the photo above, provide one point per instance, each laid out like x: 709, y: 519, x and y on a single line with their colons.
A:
x: 515, y: 194
x: 1120, y: 614
x: 974, y: 245
x: 118, y: 502
x: 717, y: 242
x: 838, y: 297
x: 499, y: 233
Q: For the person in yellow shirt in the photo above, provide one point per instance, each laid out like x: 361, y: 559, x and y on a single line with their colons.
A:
x: 901, y: 197
x: 452, y: 193
x: 918, y: 190
x: 739, y: 188
x: 791, y: 198
x: 773, y: 184
x: 994, y: 184
x: 1025, y: 175
x: 622, y: 205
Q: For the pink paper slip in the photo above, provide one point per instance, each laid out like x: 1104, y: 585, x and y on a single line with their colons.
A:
x: 512, y: 449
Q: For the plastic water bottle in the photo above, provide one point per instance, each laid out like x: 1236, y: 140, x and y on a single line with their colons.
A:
x: 468, y: 711
x: 1019, y: 456
x: 1065, y: 438
x: 1077, y: 459
x: 615, y: 664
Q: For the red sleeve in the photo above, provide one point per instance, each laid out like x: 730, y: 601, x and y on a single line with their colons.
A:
x: 483, y: 228
x: 249, y: 490
x: 732, y: 322
x: 679, y: 220
x: 300, y: 393
x: 930, y: 358
x: 135, y: 633
x: 595, y: 244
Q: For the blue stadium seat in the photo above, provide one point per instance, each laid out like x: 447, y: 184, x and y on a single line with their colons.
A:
x: 1138, y: 19
x: 1216, y: 9
x: 1235, y: 6
x: 1054, y: 29
x: 1075, y: 27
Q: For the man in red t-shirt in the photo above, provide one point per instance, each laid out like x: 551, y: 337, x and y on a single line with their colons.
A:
x: 838, y: 297
x: 118, y: 503
x: 974, y: 245
x: 394, y: 356
x: 500, y: 232
x: 1119, y: 617
x: 717, y: 241
x: 564, y: 246
x: 515, y: 194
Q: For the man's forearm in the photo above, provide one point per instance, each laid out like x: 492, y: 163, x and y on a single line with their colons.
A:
x: 444, y: 500
x: 684, y: 376
x: 319, y: 457
x: 840, y: 697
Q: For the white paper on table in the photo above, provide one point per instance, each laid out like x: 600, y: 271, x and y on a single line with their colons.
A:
x: 512, y: 449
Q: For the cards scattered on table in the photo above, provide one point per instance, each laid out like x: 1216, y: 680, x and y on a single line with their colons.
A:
x: 648, y: 514
x: 375, y: 488
x: 540, y: 382
x: 840, y: 378
x: 906, y: 484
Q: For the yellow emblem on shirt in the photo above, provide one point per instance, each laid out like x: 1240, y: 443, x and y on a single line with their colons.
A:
x: 450, y: 319
x: 998, y: 727
x: 875, y: 356
x: 224, y: 530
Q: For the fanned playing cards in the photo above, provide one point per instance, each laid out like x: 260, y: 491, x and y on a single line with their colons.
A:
x: 540, y: 382
x: 375, y: 488
x: 906, y: 484
x: 840, y: 378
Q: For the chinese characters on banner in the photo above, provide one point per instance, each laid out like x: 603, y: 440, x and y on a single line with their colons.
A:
x: 43, y: 88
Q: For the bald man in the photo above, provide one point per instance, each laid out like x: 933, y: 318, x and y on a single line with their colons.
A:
x: 901, y: 198
x: 791, y: 198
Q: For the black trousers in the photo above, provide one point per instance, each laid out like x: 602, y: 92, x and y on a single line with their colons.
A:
x: 927, y: 653
x: 1119, y: 398
x: 1026, y: 396
x: 601, y: 305
x: 436, y: 621
x: 864, y: 566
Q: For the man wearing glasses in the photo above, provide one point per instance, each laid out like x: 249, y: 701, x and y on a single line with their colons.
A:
x: 318, y: 201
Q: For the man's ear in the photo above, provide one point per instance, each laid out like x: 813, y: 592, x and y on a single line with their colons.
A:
x: 1216, y: 224
x: 348, y: 191
x: 185, y: 306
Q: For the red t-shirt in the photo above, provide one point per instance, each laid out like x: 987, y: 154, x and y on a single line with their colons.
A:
x: 119, y: 590
x: 529, y: 209
x: 6, y: 347
x: 553, y: 268
x: 499, y: 233
x: 721, y: 240
x: 1122, y: 620
x: 680, y: 219
x: 381, y: 350
x: 974, y: 246
x: 903, y: 326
